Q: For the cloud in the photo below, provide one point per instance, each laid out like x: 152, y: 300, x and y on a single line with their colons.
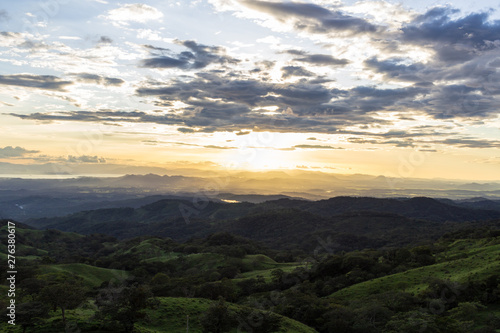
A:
x: 322, y: 59
x: 47, y: 82
x: 134, y: 12
x: 186, y: 130
x: 85, y: 159
x: 394, y: 68
x: 199, y: 56
x: 312, y: 18
x: 98, y: 79
x: 4, y: 16
x: 6, y: 104
x: 454, y: 40
x: 33, y: 45
x: 218, y: 147
x: 316, y: 147
x: 105, y: 40
x: 219, y: 96
x: 10, y: 151
x: 366, y: 99
x: 470, y: 143
x: 289, y: 71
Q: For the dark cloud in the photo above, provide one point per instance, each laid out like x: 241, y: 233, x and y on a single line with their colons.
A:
x: 4, y: 16
x: 454, y: 40
x: 105, y: 40
x: 186, y: 130
x: 167, y: 62
x: 289, y: 71
x: 10, y: 151
x: 98, y: 79
x: 399, y: 143
x: 323, y: 59
x: 216, y: 102
x: 192, y: 119
x: 396, y: 69
x: 459, y: 101
x: 8, y: 34
x: 86, y: 159
x: 226, y: 103
x: 47, y: 82
x: 313, y: 18
x: 369, y: 99
x: 87, y: 116
x: 470, y: 143
x: 467, y: 51
x: 33, y: 45
x: 199, y: 56
x: 316, y: 147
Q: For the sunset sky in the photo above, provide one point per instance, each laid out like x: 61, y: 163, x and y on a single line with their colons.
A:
x: 408, y: 89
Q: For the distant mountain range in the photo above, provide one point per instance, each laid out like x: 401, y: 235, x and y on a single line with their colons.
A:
x: 346, y: 223
x: 22, y: 199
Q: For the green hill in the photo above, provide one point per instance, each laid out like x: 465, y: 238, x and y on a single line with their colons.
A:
x: 171, y: 317
x: 91, y: 275
x: 462, y: 261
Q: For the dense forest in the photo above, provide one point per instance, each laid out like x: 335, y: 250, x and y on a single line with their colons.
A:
x: 279, y: 266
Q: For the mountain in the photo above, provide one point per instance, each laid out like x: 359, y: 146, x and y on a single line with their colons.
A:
x: 352, y: 223
x: 418, y: 208
x: 480, y: 203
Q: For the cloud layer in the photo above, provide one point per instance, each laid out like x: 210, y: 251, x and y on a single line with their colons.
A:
x: 9, y: 152
x: 47, y: 82
x: 300, y: 67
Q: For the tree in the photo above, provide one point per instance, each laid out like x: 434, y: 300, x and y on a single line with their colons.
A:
x: 32, y: 286
x: 64, y: 295
x: 412, y: 322
x: 218, y: 318
x: 465, y: 310
x: 371, y: 317
x: 277, y: 276
x: 258, y: 321
x: 30, y: 314
x: 213, y: 290
x: 124, y: 305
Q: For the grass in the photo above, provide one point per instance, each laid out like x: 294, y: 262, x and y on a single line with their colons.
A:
x: 171, y: 316
x: 463, y: 260
x: 265, y: 273
x: 92, y: 276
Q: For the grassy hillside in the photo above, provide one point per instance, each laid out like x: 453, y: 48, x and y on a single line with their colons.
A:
x: 462, y: 261
x: 91, y: 275
x: 171, y: 281
x: 171, y: 316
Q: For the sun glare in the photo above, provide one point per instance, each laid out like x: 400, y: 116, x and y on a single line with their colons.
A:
x: 257, y: 159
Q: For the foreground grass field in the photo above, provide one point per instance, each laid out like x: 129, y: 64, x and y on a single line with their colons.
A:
x: 173, y: 312
x: 171, y: 316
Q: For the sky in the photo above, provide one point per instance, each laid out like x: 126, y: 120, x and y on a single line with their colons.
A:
x: 402, y: 89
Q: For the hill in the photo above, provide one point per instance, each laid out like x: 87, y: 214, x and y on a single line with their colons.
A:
x: 154, y: 284
x: 462, y: 261
x: 350, y: 222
